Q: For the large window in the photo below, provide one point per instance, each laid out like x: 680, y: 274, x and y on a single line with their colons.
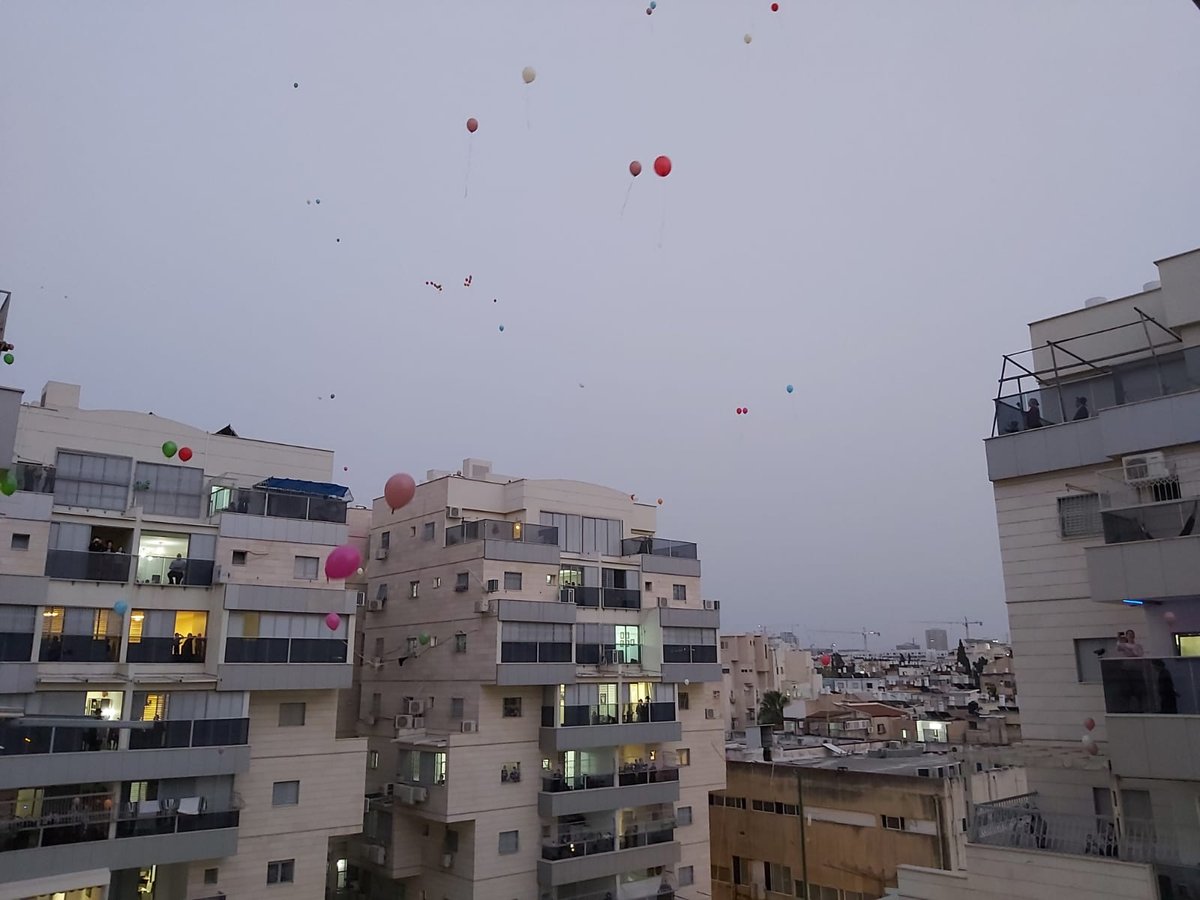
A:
x: 1079, y: 516
x: 599, y: 643
x: 16, y: 632
x: 168, y: 635
x: 689, y: 645
x: 535, y: 642
x: 173, y: 490
x: 92, y: 480
x: 584, y: 534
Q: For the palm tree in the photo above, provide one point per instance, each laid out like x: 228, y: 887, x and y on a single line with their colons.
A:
x: 770, y: 712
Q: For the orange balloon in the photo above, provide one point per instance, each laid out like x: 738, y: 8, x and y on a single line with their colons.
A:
x: 399, y: 490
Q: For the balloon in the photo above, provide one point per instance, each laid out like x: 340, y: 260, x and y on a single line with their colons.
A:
x: 120, y: 607
x: 747, y: 38
x: 501, y: 327
x: 169, y: 448
x: 185, y: 453
x: 649, y: 11
x: 318, y: 201
x: 1089, y: 723
x: 635, y: 168
x: 424, y: 639
x: 1087, y: 740
x: 739, y: 410
x: 333, y: 621
x: 9, y: 359
x: 1169, y: 617
x: 662, y: 166
x: 660, y: 501
x: 8, y: 487
x: 342, y: 561
x: 826, y: 659
x: 528, y: 74
x: 360, y: 571
x: 472, y: 125
x: 654, y: 4
x: 1093, y: 749
x: 745, y: 410
x: 331, y: 396
x: 774, y: 7
x: 790, y: 388
x: 295, y: 84
x: 399, y: 490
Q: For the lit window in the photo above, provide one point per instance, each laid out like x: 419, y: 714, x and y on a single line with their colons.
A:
x: 372, y: 759
x: 684, y: 756
x: 414, y: 589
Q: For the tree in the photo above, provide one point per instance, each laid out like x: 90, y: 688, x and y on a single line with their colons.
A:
x: 770, y: 711
x: 964, y: 662
x: 977, y: 669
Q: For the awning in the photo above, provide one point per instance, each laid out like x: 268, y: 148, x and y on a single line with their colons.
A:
x: 306, y: 488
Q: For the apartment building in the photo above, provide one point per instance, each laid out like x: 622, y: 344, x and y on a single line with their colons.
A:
x: 1095, y: 463
x: 168, y: 681
x: 541, y: 692
x: 937, y: 639
x: 755, y: 664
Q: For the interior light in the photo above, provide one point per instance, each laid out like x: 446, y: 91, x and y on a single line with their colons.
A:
x: 1134, y: 602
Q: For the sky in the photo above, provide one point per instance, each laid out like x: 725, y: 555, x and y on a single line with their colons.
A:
x: 868, y: 201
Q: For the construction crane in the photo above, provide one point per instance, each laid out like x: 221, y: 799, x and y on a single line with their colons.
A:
x: 864, y: 634
x: 964, y: 622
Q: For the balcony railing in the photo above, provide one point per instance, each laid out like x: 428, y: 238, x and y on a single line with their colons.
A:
x: 689, y: 653
x: 1019, y: 823
x: 167, y: 650
x: 572, y: 848
x: 285, y: 650
x: 85, y: 565
x: 557, y: 784
x: 80, y: 648
x: 169, y: 570
x: 661, y: 832
x: 15, y: 646
x: 191, y: 733
x: 501, y: 530
x: 28, y: 738
x: 659, y: 547
x: 608, y: 654
x: 1158, y: 686
x: 277, y: 505
x: 33, y: 479
x: 643, y: 774
x: 608, y: 714
x: 594, y: 597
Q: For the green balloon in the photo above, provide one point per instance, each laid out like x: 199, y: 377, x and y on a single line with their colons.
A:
x: 424, y: 639
x: 169, y: 448
x: 9, y: 359
x: 8, y: 487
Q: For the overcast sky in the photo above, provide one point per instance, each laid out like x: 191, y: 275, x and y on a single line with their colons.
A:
x: 868, y: 201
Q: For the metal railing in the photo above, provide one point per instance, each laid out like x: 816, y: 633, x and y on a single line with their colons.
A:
x: 607, y: 714
x: 277, y: 505
x: 172, y: 571
x: 594, y: 597
x: 608, y: 654
x: 1153, y: 685
x: 501, y: 530
x: 651, y: 546
x: 86, y: 565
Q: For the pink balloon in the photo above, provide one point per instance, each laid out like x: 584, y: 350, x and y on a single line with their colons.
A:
x: 333, y: 621
x: 342, y: 562
x: 1089, y: 723
x: 1092, y: 749
x: 399, y: 490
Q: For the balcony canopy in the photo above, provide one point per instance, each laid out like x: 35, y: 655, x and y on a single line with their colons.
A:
x: 306, y: 488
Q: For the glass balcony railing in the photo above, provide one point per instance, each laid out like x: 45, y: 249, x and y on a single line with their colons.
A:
x: 277, y: 505
x: 193, y: 733
x: 85, y: 565
x: 608, y: 654
x: 556, y: 784
x: 689, y: 653
x: 574, y: 847
x: 660, y: 832
x: 28, y: 739
x: 285, y: 650
x: 595, y: 597
x: 167, y: 650
x: 646, y: 774
x: 651, y: 546
x: 607, y: 714
x: 501, y: 530
x: 170, y: 570
x: 33, y: 479
x: 15, y: 646
x: 80, y: 648
x: 1152, y: 685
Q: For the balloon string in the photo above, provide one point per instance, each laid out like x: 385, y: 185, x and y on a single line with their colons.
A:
x: 467, y: 180
x: 628, y: 191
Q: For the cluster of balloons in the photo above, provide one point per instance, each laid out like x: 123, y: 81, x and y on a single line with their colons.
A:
x: 170, y: 448
x: 399, y: 490
x: 652, y: 7
x: 743, y: 411
x: 1089, y: 742
x: 662, y: 167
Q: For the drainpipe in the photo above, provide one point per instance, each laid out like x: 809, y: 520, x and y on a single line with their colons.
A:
x: 803, y: 837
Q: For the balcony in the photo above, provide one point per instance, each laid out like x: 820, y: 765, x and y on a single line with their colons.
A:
x: 597, y: 792
x: 164, y: 570
x: 80, y: 648
x: 278, y: 504
x: 583, y: 727
x: 1153, y: 716
x: 608, y: 655
x: 85, y: 565
x: 167, y: 650
x: 690, y: 662
x: 285, y: 650
x: 588, y: 856
x: 662, y: 556
x: 502, y: 530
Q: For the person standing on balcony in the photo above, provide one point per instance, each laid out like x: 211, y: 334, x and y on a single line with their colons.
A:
x: 1131, y: 647
x: 1033, y: 415
x: 1081, y: 409
x: 177, y: 569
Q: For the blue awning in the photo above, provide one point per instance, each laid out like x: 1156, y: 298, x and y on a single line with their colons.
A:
x: 306, y: 488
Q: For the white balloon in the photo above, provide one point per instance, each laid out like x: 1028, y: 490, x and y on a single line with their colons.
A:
x: 686, y: 682
x: 748, y: 38
x: 528, y: 74
x: 1087, y: 740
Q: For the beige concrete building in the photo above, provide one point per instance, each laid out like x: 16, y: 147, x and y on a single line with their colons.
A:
x: 542, y: 694
x: 754, y: 664
x: 168, y: 681
x: 1096, y: 470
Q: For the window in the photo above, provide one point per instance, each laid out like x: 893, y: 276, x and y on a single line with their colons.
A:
x: 239, y: 558
x: 779, y: 878
x: 462, y: 581
x: 684, y: 700
x: 211, y: 876
x: 20, y: 542
x: 170, y: 490
x: 512, y: 707
x: 649, y: 586
x: 550, y: 578
x: 437, y: 581
x: 1079, y: 516
x: 882, y: 729
x: 460, y: 642
x: 385, y: 540
x: 305, y: 568
x: 285, y: 793
x: 412, y: 645
x: 429, y: 531
x: 381, y: 592
x: 684, y: 755
x: 679, y: 592
x: 372, y: 759
x: 512, y: 581
x: 92, y: 480
x: 510, y: 773
x: 509, y: 842
x: 291, y: 714
x: 685, y: 876
x: 414, y: 589
x: 281, y: 871
x: 456, y: 707
x: 893, y: 823
x: 683, y: 816
x: 1088, y: 653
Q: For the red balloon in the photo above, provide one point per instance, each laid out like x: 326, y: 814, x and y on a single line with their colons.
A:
x: 185, y: 453
x: 399, y: 490
x: 739, y: 410
x: 662, y: 166
x: 472, y: 125
x: 774, y: 7
x: 1089, y: 723
x: 826, y: 659
x: 745, y: 410
x: 635, y: 168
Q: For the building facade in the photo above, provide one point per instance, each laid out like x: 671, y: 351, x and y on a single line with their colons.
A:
x: 937, y: 639
x: 168, y: 681
x: 1095, y: 464
x: 542, y: 696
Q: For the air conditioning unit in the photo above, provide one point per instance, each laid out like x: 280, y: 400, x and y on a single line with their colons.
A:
x: 711, y: 604
x: 663, y: 603
x: 493, y: 585
x: 418, y: 723
x: 1144, y: 467
x: 403, y: 723
x: 374, y: 604
x: 377, y: 854
x: 453, y: 512
x: 360, y: 599
x: 469, y: 726
x: 381, y: 553
x: 420, y: 794
x: 416, y: 707
x: 221, y: 575
x: 483, y: 606
x: 404, y: 794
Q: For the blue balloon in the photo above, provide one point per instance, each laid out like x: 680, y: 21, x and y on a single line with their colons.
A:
x: 653, y: 4
x: 120, y: 607
x: 790, y: 388
x: 501, y: 327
